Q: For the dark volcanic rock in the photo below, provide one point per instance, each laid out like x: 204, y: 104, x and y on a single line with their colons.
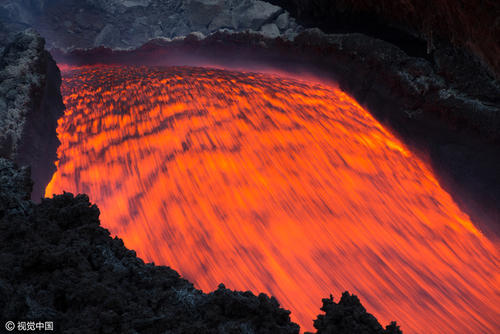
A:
x: 30, y: 104
x: 58, y: 264
x: 126, y: 24
x: 348, y: 316
x: 418, y: 26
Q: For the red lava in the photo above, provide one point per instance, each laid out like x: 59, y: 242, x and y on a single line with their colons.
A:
x: 274, y: 185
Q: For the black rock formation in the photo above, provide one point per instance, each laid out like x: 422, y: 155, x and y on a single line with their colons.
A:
x: 30, y: 104
x: 418, y: 26
x: 349, y: 316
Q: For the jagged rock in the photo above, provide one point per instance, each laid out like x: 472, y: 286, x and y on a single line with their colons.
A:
x: 20, y: 78
x: 109, y: 35
x: 30, y: 104
x: 283, y: 21
x: 270, y: 30
x: 16, y: 187
x: 128, y: 24
x: 477, y: 30
x: 224, y: 19
x: 254, y: 14
x: 202, y: 12
x: 348, y: 316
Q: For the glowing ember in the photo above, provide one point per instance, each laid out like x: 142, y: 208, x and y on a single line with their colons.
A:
x: 277, y: 186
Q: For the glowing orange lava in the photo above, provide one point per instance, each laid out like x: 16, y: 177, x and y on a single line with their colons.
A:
x: 274, y: 185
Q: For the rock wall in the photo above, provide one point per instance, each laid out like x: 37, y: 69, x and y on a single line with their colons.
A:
x: 68, y: 24
x: 348, y: 315
x: 30, y: 104
x: 57, y: 264
x: 468, y: 24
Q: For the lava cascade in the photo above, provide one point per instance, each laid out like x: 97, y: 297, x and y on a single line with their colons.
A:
x: 274, y: 185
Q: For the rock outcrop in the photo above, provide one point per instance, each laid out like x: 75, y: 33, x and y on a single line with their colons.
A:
x: 58, y: 264
x: 30, y: 104
x: 469, y: 25
x: 349, y: 316
x: 129, y: 24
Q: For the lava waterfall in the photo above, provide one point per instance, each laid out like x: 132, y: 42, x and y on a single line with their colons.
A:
x: 274, y: 185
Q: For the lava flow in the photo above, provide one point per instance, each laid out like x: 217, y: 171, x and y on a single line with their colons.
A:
x: 273, y: 185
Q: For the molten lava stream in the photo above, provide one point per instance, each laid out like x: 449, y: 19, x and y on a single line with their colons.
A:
x: 277, y: 186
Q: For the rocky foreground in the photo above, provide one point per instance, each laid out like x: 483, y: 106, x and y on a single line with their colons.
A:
x: 58, y: 264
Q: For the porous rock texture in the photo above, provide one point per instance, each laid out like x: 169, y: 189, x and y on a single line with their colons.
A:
x: 58, y: 264
x: 30, y: 103
x: 349, y: 316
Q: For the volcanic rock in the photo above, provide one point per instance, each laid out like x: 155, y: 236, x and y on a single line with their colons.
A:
x: 254, y: 14
x: 270, y: 30
x: 283, y: 21
x: 469, y: 25
x: 128, y: 24
x: 349, y: 316
x: 30, y: 104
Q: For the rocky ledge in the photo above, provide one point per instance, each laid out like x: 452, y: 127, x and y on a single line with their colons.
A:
x: 467, y: 25
x: 58, y: 264
x: 127, y: 24
x: 30, y: 104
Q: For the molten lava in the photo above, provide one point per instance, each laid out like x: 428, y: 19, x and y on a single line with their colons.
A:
x: 274, y: 185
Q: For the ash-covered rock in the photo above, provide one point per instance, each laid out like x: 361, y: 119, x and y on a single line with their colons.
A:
x: 30, y: 103
x: 57, y: 264
x: 128, y: 24
x: 21, y: 80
